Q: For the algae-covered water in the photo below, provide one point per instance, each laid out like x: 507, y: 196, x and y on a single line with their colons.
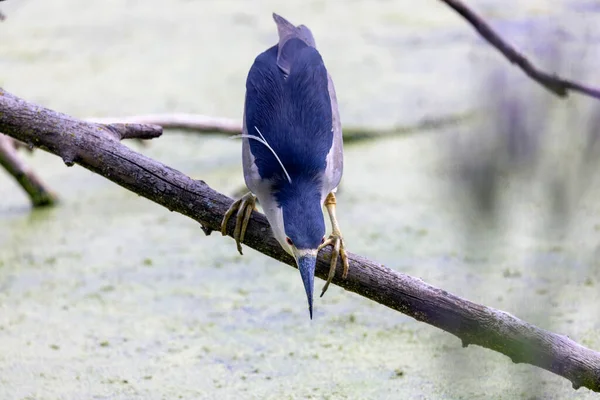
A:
x: 108, y: 296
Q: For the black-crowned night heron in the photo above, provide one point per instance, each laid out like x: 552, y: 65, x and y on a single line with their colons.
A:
x: 292, y: 151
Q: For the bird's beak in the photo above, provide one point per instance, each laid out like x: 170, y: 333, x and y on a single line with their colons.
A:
x: 306, y: 264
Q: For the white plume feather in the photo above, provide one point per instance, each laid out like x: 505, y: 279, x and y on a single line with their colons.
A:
x: 262, y: 140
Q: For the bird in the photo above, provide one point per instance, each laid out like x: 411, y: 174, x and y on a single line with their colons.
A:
x: 292, y: 152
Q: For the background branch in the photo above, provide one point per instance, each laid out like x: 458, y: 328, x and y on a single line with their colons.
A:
x: 92, y: 146
x: 38, y: 193
x: 553, y: 83
x: 205, y: 124
x: 179, y: 121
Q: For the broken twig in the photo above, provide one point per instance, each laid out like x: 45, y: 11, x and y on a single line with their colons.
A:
x: 38, y: 193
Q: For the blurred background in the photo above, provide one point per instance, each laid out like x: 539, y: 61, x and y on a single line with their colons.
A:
x: 110, y: 296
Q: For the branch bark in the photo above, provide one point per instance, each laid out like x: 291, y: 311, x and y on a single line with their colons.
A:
x: 554, y: 83
x: 205, y: 124
x: 93, y: 147
x: 38, y: 193
x: 122, y: 131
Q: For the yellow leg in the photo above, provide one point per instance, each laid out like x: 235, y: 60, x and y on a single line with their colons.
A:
x: 244, y: 208
x: 335, y: 240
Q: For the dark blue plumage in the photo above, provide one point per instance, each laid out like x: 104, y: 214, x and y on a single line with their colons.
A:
x: 293, y: 114
x: 292, y: 149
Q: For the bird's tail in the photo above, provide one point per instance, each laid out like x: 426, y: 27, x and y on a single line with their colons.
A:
x: 287, y: 31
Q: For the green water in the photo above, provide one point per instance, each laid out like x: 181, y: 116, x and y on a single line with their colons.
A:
x: 109, y: 296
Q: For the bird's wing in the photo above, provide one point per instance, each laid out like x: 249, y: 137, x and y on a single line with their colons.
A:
x: 282, y: 85
x: 257, y: 185
x: 251, y: 176
x: 285, y: 57
x: 263, y: 94
x: 335, y: 157
x: 287, y: 31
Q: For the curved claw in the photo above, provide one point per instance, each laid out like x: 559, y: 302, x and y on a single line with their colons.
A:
x: 244, y: 207
x: 339, y: 250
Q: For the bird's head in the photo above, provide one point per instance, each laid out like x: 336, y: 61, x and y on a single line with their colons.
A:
x: 300, y: 228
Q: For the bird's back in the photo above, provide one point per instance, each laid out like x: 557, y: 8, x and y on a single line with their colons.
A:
x: 288, y: 102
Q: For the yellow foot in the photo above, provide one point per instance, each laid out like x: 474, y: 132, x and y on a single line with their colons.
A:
x: 244, y: 208
x: 335, y: 240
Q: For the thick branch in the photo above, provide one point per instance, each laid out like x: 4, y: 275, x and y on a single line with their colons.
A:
x: 39, y: 194
x: 205, y: 124
x: 472, y: 323
x: 553, y: 83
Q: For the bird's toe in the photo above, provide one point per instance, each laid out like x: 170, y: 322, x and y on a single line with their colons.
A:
x: 244, y: 208
x: 338, y: 251
x: 233, y: 208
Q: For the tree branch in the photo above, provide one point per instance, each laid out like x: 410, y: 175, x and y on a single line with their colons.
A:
x: 91, y: 146
x: 553, y: 83
x: 39, y: 194
x: 180, y: 121
x: 205, y: 124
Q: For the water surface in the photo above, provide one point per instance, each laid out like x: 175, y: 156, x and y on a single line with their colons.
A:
x: 109, y: 296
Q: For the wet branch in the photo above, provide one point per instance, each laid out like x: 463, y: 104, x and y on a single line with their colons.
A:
x: 205, y: 124
x: 551, y: 82
x: 38, y: 193
x: 93, y: 147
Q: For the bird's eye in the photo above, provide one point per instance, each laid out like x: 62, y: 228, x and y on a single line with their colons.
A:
x: 289, y: 241
x: 323, y: 240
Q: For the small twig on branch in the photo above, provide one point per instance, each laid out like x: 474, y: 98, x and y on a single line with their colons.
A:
x: 134, y: 131
x: 472, y: 323
x: 553, y: 83
x: 226, y: 126
x: 39, y: 194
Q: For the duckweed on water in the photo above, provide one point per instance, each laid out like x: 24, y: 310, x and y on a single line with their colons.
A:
x: 110, y: 296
